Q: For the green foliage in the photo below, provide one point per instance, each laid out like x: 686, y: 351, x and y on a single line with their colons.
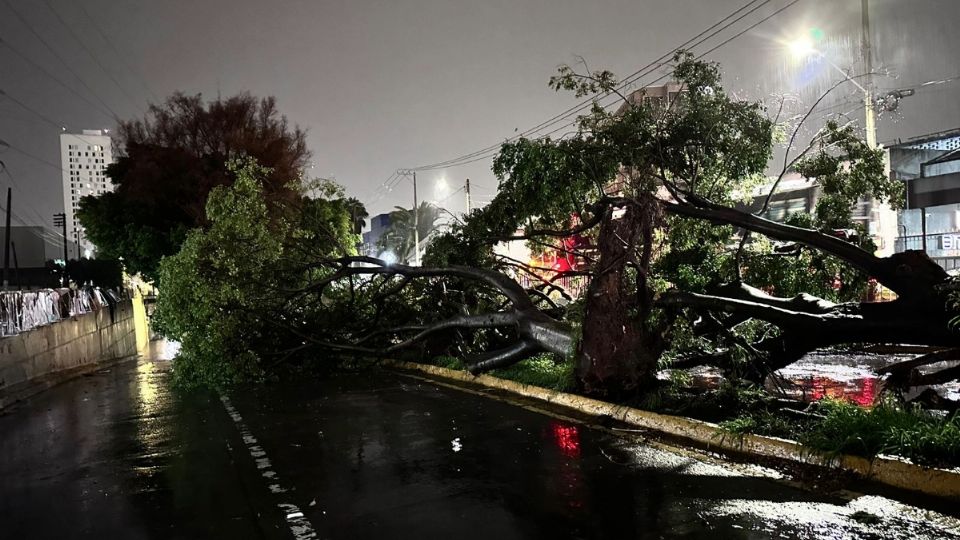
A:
x: 696, y: 257
x: 449, y: 362
x: 764, y: 422
x: 953, y: 303
x: 542, y: 370
x: 841, y: 427
x: 140, y: 234
x: 802, y: 270
x: 219, y: 293
x: 888, y: 428
x: 582, y: 85
x: 847, y: 171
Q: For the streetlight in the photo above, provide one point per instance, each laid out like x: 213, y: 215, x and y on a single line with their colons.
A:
x: 803, y: 47
x: 388, y: 257
x: 440, y: 189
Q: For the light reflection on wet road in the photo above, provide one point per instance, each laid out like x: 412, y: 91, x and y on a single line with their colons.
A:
x: 378, y: 455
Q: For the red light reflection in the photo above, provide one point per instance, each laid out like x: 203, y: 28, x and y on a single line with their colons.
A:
x: 863, y: 391
x: 567, y: 439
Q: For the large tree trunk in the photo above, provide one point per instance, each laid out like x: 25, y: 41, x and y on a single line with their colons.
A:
x: 617, y: 354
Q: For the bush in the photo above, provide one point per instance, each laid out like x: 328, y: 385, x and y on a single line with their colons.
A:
x: 921, y: 436
x: 846, y: 428
x: 541, y: 370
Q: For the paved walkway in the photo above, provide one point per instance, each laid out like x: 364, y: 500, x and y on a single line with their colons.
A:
x: 118, y: 454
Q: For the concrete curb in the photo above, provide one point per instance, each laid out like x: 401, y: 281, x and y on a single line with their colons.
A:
x: 886, y: 470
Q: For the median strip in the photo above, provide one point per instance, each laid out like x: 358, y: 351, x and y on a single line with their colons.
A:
x: 883, y: 469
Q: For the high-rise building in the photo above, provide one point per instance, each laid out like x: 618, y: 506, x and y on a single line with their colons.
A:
x: 84, y: 158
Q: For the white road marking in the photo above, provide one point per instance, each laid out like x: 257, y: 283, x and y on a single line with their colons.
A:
x: 299, y: 526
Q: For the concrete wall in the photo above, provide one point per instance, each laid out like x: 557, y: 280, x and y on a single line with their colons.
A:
x: 71, y: 343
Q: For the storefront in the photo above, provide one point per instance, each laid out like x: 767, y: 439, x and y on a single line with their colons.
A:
x: 930, y: 221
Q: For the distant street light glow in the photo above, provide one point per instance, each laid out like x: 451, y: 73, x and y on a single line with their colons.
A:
x: 388, y: 257
x: 440, y: 189
x: 801, y: 48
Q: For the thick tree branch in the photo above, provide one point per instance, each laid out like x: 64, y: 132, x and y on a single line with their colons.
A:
x: 907, y: 274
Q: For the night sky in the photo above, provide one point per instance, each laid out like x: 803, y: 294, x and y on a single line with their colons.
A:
x: 382, y: 85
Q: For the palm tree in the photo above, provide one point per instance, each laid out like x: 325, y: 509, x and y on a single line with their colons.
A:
x: 399, y: 237
x: 358, y: 214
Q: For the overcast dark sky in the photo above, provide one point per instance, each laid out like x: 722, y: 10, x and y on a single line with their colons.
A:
x: 401, y: 83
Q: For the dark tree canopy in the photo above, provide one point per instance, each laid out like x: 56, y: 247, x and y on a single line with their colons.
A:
x: 170, y: 161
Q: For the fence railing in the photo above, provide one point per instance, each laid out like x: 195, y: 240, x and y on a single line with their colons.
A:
x: 903, y: 243
x: 21, y: 311
x: 572, y: 285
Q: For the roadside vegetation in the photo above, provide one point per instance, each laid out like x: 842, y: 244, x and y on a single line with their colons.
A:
x: 839, y: 427
x: 544, y: 371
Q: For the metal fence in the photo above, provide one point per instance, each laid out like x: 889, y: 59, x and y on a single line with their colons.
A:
x: 21, y: 311
x: 572, y: 285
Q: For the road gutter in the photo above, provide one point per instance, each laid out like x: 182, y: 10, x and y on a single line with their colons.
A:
x: 14, y: 394
x: 886, y: 470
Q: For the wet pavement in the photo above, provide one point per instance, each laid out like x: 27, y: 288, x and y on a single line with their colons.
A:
x: 118, y: 454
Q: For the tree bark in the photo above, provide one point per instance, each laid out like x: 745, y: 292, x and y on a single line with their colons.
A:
x: 617, y: 355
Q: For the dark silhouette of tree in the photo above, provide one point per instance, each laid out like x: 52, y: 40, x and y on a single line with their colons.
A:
x: 399, y: 238
x: 170, y: 160
x: 358, y: 214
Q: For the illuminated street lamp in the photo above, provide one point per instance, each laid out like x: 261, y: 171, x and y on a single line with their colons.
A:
x: 803, y: 47
x: 440, y: 189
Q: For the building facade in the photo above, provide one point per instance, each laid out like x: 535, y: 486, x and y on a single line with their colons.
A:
x: 84, y: 158
x: 378, y: 225
x: 930, y: 221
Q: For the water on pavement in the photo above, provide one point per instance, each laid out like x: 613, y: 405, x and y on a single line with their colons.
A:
x: 119, y: 454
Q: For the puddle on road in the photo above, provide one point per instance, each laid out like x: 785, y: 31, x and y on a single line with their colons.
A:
x: 779, y: 513
x: 866, y: 517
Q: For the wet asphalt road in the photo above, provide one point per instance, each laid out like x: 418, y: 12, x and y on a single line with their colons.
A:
x: 118, y: 454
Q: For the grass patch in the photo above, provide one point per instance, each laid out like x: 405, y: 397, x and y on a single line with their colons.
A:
x: 845, y: 428
x: 541, y: 370
x: 448, y: 362
x: 921, y: 436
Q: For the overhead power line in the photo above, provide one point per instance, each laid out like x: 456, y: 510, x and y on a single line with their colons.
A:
x: 116, y: 51
x: 33, y: 111
x: 57, y: 55
x: 699, y: 56
x: 490, y: 151
x: 715, y: 29
x: 91, y: 54
x: 723, y: 24
x: 53, y: 77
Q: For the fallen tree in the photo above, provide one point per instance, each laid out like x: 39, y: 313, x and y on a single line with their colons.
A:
x: 652, y: 188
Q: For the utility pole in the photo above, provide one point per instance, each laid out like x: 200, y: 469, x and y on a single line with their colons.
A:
x: 60, y: 220
x: 416, y: 223
x: 467, y: 189
x: 16, y: 265
x: 6, y: 243
x: 408, y: 173
x: 869, y: 112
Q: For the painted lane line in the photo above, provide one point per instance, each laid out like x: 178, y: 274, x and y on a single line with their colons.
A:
x: 298, y: 524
